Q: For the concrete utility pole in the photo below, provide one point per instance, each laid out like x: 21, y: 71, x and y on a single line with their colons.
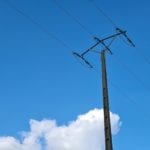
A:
x: 107, y: 124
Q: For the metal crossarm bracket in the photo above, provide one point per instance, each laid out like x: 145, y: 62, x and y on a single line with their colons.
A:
x: 102, y: 41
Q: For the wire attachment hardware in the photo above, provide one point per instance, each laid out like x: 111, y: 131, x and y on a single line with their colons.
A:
x: 126, y: 36
x: 78, y: 56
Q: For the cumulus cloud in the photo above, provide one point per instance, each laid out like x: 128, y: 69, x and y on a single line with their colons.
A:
x: 85, y: 133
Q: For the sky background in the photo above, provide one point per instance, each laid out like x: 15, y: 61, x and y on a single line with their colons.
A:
x: 41, y: 79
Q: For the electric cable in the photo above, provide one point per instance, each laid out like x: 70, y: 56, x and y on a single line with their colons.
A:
x: 111, y: 21
x: 73, y: 17
x: 102, y: 12
x: 142, y: 55
x: 125, y: 67
x: 40, y: 26
x: 130, y: 99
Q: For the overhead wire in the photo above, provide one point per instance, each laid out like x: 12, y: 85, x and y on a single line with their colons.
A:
x: 39, y: 25
x: 142, y: 55
x: 130, y: 99
x: 122, y: 92
x: 111, y: 21
x: 125, y: 67
x: 68, y: 13
x: 102, y: 12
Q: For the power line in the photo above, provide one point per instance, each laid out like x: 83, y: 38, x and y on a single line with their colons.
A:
x: 73, y: 17
x: 122, y: 92
x: 125, y: 67
x: 116, y: 87
x: 142, y: 55
x: 131, y: 100
x: 102, y: 12
x: 39, y: 25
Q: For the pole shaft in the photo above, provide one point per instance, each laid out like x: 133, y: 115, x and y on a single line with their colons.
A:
x: 107, y: 124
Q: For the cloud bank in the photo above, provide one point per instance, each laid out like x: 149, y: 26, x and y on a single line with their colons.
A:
x: 85, y: 133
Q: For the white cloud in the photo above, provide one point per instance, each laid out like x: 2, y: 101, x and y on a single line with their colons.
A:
x: 85, y: 133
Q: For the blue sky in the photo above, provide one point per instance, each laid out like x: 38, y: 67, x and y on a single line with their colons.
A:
x: 41, y: 79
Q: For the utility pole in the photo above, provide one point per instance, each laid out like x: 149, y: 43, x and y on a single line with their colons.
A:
x: 107, y: 122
